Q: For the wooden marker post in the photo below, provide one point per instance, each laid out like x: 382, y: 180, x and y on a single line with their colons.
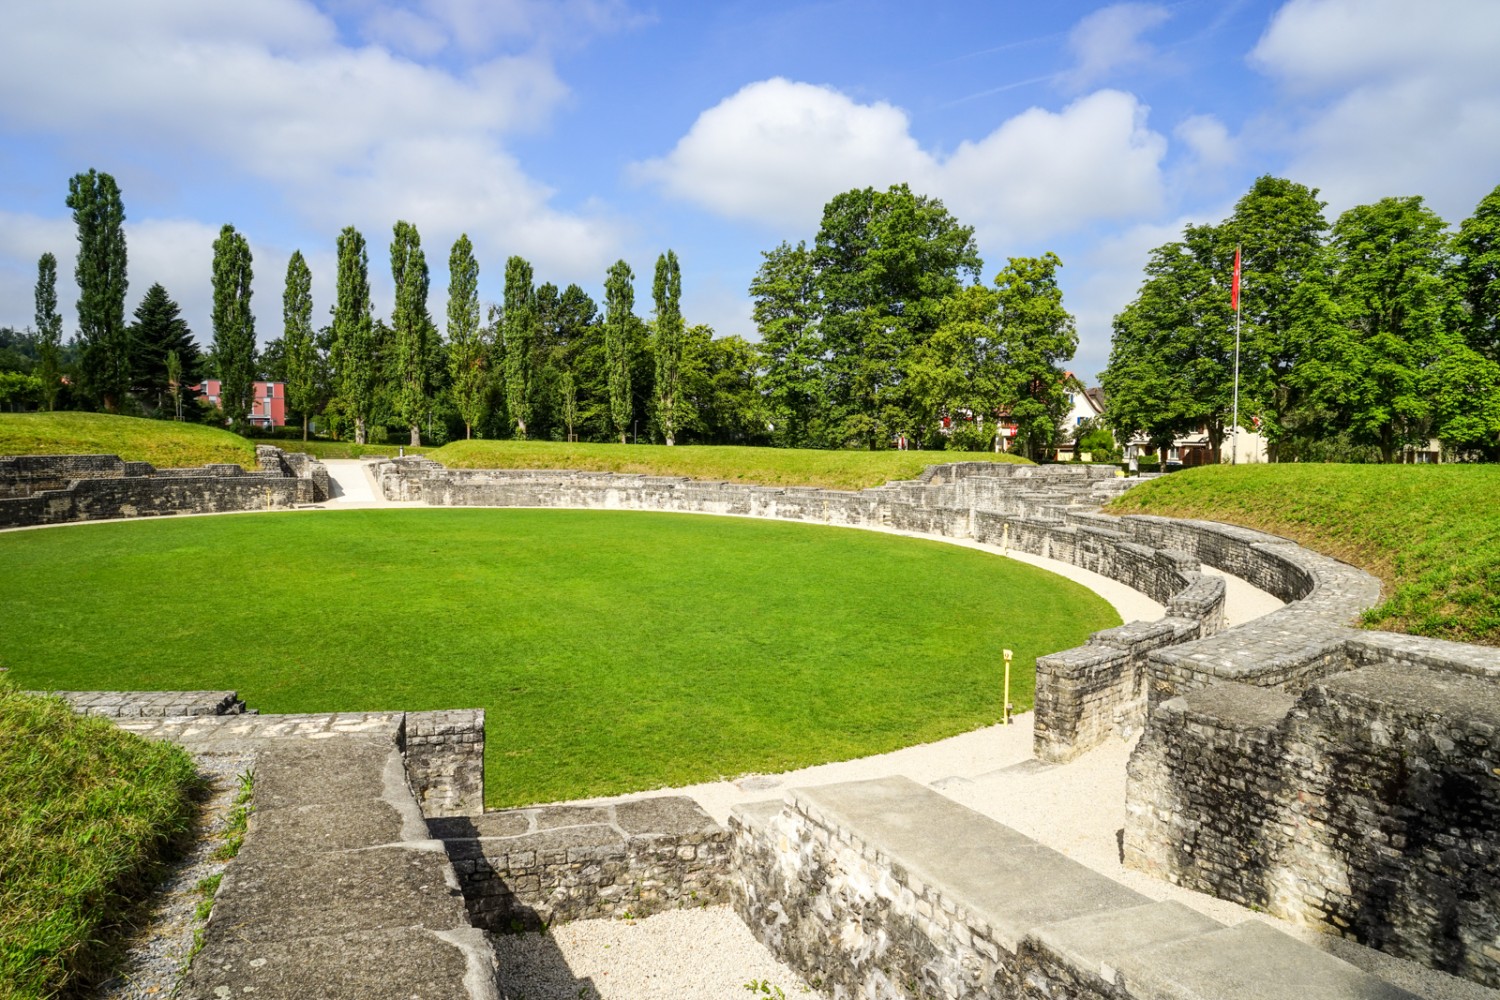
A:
x: 1005, y: 715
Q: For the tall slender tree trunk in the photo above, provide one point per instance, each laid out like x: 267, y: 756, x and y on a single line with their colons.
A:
x: 304, y: 427
x: 416, y: 436
x: 359, y: 430
x: 468, y: 432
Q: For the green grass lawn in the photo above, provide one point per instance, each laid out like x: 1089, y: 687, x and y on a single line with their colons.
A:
x: 86, y: 811
x: 842, y: 470
x: 612, y: 651
x: 1431, y: 533
x: 164, y: 443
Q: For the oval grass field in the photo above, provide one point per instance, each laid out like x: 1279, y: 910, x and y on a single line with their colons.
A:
x: 611, y: 651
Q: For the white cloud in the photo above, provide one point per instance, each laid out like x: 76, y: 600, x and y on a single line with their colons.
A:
x: 1207, y: 138
x: 344, y: 135
x: 1390, y: 98
x: 777, y: 150
x: 1113, y: 271
x: 1109, y: 40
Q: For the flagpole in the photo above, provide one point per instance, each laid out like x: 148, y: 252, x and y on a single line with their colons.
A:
x: 1234, y: 442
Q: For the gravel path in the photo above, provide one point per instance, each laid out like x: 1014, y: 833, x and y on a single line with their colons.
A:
x: 703, y: 954
x: 158, y: 952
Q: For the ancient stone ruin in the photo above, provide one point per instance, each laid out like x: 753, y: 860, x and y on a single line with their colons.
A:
x: 1340, y: 778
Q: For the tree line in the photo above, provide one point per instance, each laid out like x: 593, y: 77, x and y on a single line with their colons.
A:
x: 873, y: 333
x: 879, y: 331
x: 1359, y: 340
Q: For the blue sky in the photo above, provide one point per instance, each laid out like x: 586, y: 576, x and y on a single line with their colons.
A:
x: 577, y: 132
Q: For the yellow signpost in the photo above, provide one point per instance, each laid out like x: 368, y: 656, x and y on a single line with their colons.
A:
x: 1005, y: 715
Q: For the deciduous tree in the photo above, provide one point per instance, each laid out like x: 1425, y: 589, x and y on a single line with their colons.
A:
x: 1393, y: 320
x: 234, y: 325
x: 298, y: 343
x: 520, y: 339
x: 411, y: 329
x: 104, y: 362
x: 1039, y: 337
x: 885, y: 261
x: 1477, y: 272
x: 467, y: 355
x: 791, y: 351
x: 667, y: 344
x: 352, y: 351
x: 49, y: 330
x: 619, y: 301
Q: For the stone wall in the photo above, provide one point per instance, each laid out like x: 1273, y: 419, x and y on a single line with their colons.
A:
x: 885, y: 889
x: 54, y: 489
x: 1366, y: 806
x: 152, y: 704
x: 523, y: 869
x: 1084, y: 695
x: 445, y: 760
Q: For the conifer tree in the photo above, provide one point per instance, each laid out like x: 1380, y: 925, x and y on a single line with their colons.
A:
x: 158, y: 331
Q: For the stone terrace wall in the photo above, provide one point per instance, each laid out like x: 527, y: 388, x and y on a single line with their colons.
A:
x: 523, y: 869
x: 1367, y: 806
x: 1083, y: 695
x: 885, y: 889
x: 443, y: 752
x: 54, y: 489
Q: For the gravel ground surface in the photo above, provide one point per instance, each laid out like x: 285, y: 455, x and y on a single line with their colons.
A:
x: 703, y: 954
x: 158, y: 951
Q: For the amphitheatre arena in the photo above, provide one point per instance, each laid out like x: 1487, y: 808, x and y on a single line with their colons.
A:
x: 1235, y: 793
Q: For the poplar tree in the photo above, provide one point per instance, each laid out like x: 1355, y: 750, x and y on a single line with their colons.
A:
x: 49, y: 329
x: 412, y: 327
x: 520, y: 337
x: 104, y: 361
x: 619, y: 300
x: 352, y: 352
x: 301, y: 352
x: 234, y: 325
x: 667, y: 291
x: 466, y: 347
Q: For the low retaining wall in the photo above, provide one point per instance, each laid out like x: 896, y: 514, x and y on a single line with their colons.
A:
x: 523, y: 869
x: 1366, y: 806
x: 55, y: 489
x: 885, y: 889
x: 442, y: 752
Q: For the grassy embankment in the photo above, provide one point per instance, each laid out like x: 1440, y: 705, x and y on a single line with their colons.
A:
x: 166, y: 444
x: 86, y: 812
x: 613, y: 651
x: 844, y: 470
x: 1431, y: 533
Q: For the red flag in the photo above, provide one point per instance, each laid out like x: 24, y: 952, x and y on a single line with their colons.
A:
x: 1234, y: 290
